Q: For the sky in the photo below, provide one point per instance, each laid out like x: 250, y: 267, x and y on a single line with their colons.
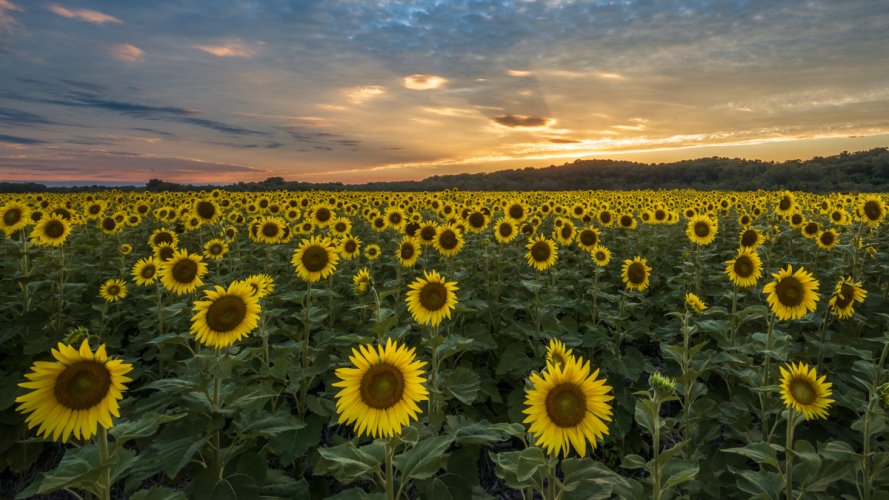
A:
x: 219, y: 91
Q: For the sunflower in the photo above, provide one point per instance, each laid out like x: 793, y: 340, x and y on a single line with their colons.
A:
x: 409, y: 251
x: 125, y: 249
x: 113, y: 290
x: 702, y: 230
x: 449, y: 241
x: 372, y: 251
x: 476, y: 221
x: 431, y: 298
x: 557, y: 354
x: 206, y: 210
x: 505, y: 231
x: 109, y: 225
x: 793, y: 294
x: 426, y: 233
x: 51, y: 230
x: 516, y: 211
x: 828, y: 239
x: 269, y: 230
x: 144, y: 271
x: 361, y: 280
x: 588, y: 238
x: 635, y: 273
x: 215, y: 249
x: 74, y: 394
x: 164, y: 251
x: 315, y: 258
x: 341, y: 226
x: 226, y: 315
x: 872, y: 210
x: 260, y: 284
x: 601, y: 255
x: 802, y: 390
x: 380, y: 391
x: 14, y: 216
x: 163, y: 235
x: 322, y: 216
x: 786, y: 204
x: 745, y: 269
x: 751, y: 238
x: 542, y: 253
x: 694, y: 303
x: 568, y: 407
x: 350, y: 247
x: 845, y: 295
x: 182, y: 272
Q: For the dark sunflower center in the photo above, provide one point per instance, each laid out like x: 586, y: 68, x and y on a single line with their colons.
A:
x: 322, y: 215
x: 784, y: 204
x: 185, y: 271
x: 626, y: 221
x: 108, y: 224
x: 578, y: 210
x: 827, y: 238
x: 226, y: 313
x: 433, y: 296
x: 315, y: 258
x: 382, y: 386
x: 743, y: 267
x: 407, y: 251
x: 605, y: 217
x: 206, y: 209
x: 54, y: 229
x: 477, y: 219
x: 516, y: 211
x: 636, y: 273
x: 748, y: 239
x: 395, y: 219
x: 796, y: 219
x: 82, y: 385
x: 802, y: 391
x: 216, y: 249
x: 790, y: 291
x: 873, y: 210
x: 350, y: 246
x: 148, y: 272
x: 811, y: 228
x: 427, y: 233
x: 846, y: 296
x: 113, y: 290
x: 588, y: 237
x: 566, y: 232
x: 340, y: 227
x: 379, y: 222
x: 660, y: 215
x: 448, y: 239
x: 94, y: 209
x: 270, y: 230
x: 836, y: 216
x: 541, y: 251
x: 505, y: 230
x: 566, y: 405
x: 12, y: 216
x: 702, y: 229
x: 165, y: 253
x: 600, y: 256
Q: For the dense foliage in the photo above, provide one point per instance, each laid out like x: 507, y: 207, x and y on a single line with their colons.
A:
x: 697, y: 364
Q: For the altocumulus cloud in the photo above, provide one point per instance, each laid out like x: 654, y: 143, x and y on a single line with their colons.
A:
x: 514, y: 121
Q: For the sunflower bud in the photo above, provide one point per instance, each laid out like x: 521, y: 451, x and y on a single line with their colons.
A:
x: 77, y: 335
x: 661, y: 385
x: 883, y: 393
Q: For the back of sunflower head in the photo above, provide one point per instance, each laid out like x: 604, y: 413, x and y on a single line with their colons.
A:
x: 77, y: 335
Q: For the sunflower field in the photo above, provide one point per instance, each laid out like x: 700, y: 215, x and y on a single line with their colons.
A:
x: 555, y: 345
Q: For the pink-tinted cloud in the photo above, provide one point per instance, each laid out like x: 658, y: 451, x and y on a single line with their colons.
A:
x: 125, y: 52
x: 7, y: 22
x: 87, y: 15
x: 231, y: 49
x: 424, y: 82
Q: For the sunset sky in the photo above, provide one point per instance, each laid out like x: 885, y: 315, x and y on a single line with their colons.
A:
x: 216, y: 91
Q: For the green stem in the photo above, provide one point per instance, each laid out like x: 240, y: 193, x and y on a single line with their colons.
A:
x: 788, y: 455
x: 304, y: 351
x: 766, y: 374
x: 390, y: 474
x: 734, y: 318
x: 656, y: 445
x: 105, y: 478
x: 687, y: 383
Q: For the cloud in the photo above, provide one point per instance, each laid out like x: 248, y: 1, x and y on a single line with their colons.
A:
x: 15, y: 117
x: 231, y: 49
x: 424, y: 82
x: 514, y: 121
x: 7, y: 22
x: 125, y: 52
x: 13, y: 139
x: 563, y: 141
x: 518, y: 72
x: 360, y: 95
x: 90, y: 16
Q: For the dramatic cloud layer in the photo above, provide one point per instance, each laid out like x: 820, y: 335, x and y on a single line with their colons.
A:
x: 213, y: 90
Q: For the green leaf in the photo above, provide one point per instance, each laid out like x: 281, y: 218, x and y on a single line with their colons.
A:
x: 425, y: 459
x: 348, y: 463
x: 79, y: 469
x: 270, y: 425
x: 761, y: 453
x: 761, y: 484
x: 158, y: 493
x: 677, y: 472
x: 633, y: 461
x: 463, y: 384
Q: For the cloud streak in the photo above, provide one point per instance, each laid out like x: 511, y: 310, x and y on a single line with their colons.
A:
x: 87, y: 15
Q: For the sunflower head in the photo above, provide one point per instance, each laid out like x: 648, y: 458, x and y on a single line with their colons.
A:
x: 694, y: 303
x: 701, y: 230
x: 52, y: 230
x: 431, y: 298
x: 601, y: 255
x: 567, y: 406
x: 225, y: 315
x: 804, y: 392
x: 379, y: 392
x: 14, y: 216
x: 113, y: 290
x: 557, y: 353
x: 792, y: 295
x: 542, y: 253
x: 260, y: 284
x: 846, y: 294
x: 361, y: 281
x: 145, y: 270
x: 636, y: 273
x: 183, y: 272
x: 315, y: 259
x: 74, y: 394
